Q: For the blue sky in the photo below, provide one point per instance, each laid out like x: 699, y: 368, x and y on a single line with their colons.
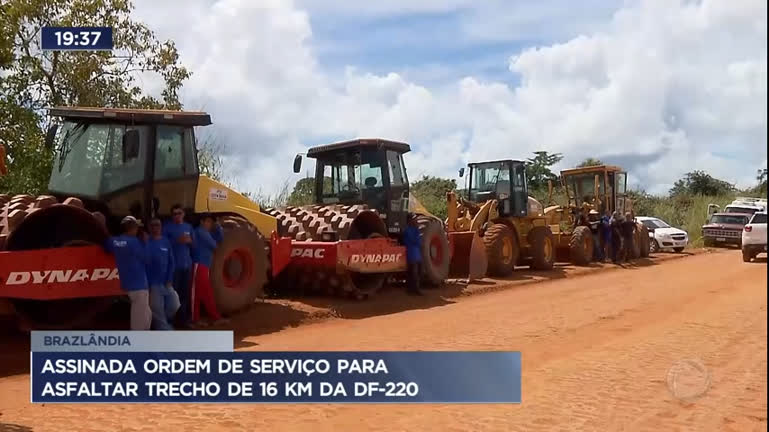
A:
x: 441, y: 46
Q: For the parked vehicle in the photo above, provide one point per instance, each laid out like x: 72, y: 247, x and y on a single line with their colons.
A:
x: 663, y: 236
x: 724, y: 229
x: 740, y: 205
x: 754, y: 237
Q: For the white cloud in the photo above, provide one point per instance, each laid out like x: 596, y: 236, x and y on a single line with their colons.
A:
x: 664, y: 87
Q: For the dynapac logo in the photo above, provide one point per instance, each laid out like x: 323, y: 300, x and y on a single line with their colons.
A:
x: 61, y: 276
x: 375, y: 258
x: 308, y: 253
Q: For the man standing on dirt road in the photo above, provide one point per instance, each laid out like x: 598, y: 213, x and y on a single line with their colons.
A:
x: 207, y: 236
x: 182, y: 238
x: 131, y: 259
x: 164, y: 301
x: 413, y: 242
x: 616, y: 236
x: 606, y: 237
x: 628, y: 233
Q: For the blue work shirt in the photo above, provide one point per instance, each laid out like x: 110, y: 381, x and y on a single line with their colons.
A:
x: 413, y: 243
x: 206, y: 243
x: 605, y: 227
x: 131, y: 259
x: 160, y: 269
x: 182, y: 251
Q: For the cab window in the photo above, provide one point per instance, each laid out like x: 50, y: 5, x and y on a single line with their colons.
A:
x: 169, y: 160
x: 395, y: 168
x: 119, y: 173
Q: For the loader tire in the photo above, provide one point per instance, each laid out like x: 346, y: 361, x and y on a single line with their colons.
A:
x: 239, y: 267
x: 645, y: 243
x: 637, y: 244
x: 542, y: 248
x: 502, y: 250
x: 435, y: 251
x: 581, y: 246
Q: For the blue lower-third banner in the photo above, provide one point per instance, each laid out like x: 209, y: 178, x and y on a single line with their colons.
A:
x: 276, y: 377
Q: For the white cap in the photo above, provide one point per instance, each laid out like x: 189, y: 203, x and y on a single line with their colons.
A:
x: 129, y: 220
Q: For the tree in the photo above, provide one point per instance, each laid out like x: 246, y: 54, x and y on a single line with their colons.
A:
x: 538, y: 168
x: 32, y: 80
x: 761, y: 177
x: 303, y: 193
x: 431, y: 192
x: 590, y: 162
x: 700, y: 183
x: 210, y: 159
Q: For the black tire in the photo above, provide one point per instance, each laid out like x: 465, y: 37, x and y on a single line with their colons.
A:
x: 542, y: 246
x: 581, y: 246
x: 495, y: 239
x: 678, y: 249
x: 636, y: 251
x: 435, y: 251
x: 654, y: 247
x: 243, y: 250
x: 645, y: 246
x: 746, y: 255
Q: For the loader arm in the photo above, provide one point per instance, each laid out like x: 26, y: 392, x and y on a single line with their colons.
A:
x: 487, y: 211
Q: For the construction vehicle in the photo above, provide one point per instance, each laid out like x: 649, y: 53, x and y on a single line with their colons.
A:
x: 346, y: 242
x: 602, y: 188
x: 498, y: 225
x: 109, y: 163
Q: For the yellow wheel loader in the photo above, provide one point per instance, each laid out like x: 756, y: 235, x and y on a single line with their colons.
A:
x: 602, y: 188
x: 498, y: 225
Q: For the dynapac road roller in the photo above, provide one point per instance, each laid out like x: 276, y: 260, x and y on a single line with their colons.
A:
x: 110, y: 163
x: 346, y: 243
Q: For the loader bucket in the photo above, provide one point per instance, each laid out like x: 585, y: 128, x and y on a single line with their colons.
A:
x: 468, y: 259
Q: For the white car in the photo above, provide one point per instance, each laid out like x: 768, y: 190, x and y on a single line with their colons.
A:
x: 754, y: 237
x: 663, y: 236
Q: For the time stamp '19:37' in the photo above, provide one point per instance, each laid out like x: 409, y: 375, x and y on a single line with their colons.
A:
x: 76, y: 38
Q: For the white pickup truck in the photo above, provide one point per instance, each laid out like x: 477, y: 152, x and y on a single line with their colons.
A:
x: 754, y: 236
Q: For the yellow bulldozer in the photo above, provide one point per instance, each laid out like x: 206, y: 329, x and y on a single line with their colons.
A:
x: 498, y: 225
x: 591, y: 192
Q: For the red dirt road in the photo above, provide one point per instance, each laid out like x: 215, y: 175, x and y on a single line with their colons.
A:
x: 604, y: 351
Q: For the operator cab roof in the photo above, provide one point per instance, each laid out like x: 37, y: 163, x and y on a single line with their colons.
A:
x: 397, y: 146
x: 590, y: 169
x: 495, y: 162
x: 126, y: 115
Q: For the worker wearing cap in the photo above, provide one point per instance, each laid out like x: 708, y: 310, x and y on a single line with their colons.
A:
x: 131, y: 259
x: 182, y: 238
x: 413, y: 242
x: 164, y: 301
x: 208, y: 235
